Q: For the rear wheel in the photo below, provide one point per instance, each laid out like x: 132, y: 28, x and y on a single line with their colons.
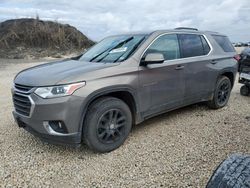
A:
x: 221, y: 93
x: 244, y: 90
x: 107, y: 125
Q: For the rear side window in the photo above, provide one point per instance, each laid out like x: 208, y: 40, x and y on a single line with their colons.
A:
x: 224, y: 43
x: 192, y: 45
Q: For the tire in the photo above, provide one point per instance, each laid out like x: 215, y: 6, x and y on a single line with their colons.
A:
x: 107, y: 124
x: 244, y: 90
x: 221, y: 93
x: 233, y: 172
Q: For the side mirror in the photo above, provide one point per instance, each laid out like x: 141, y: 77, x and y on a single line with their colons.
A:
x: 153, y: 58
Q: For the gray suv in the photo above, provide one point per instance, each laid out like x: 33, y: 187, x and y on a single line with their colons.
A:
x: 121, y: 81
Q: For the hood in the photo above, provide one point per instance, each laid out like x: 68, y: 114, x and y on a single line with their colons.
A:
x: 52, y: 73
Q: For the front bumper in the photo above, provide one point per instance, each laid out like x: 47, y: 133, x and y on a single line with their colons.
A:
x: 69, y: 140
x: 65, y: 109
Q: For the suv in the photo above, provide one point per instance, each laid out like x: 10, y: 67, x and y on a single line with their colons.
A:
x: 123, y: 80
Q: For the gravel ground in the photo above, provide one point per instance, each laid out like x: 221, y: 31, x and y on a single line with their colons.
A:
x: 177, y: 149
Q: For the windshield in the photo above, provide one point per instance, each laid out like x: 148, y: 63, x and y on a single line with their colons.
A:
x: 113, y: 49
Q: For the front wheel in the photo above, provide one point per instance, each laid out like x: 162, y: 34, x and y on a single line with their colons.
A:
x: 107, y: 124
x: 221, y: 93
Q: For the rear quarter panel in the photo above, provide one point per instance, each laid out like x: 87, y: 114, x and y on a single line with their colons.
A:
x: 225, y: 61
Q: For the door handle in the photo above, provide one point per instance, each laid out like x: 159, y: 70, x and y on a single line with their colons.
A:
x: 179, y: 67
x: 214, y: 62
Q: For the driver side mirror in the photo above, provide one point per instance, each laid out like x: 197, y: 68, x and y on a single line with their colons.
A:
x: 153, y: 58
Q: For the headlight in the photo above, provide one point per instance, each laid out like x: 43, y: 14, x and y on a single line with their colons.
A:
x: 58, y: 91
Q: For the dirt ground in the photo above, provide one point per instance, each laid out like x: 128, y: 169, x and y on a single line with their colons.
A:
x: 176, y: 149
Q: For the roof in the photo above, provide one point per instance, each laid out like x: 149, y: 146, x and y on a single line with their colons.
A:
x: 179, y: 30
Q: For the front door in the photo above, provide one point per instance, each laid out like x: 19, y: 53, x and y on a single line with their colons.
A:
x: 162, y: 86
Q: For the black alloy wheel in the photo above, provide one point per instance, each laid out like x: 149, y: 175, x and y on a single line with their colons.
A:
x: 111, y: 126
x: 221, y: 93
x: 224, y: 92
x: 107, y: 124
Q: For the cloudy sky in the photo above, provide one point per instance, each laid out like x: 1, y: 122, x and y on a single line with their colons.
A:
x: 100, y: 18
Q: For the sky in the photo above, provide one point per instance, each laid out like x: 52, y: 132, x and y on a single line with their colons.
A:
x: 100, y: 18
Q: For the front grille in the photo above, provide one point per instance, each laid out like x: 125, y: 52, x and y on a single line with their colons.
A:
x: 22, y: 104
x: 23, y: 88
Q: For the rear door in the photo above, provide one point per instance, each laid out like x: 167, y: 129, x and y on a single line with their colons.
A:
x: 198, y: 70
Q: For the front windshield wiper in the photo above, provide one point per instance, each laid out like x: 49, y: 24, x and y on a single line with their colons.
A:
x: 131, y: 51
x: 110, y: 49
x: 93, y: 58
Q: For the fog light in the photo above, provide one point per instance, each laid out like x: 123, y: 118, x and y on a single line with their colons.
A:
x: 55, y: 127
x: 58, y: 126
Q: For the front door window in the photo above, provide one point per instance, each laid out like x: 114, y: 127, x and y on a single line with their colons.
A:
x: 167, y: 45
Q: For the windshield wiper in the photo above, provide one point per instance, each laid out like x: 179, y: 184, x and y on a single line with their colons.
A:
x: 110, y: 49
x: 131, y: 51
x: 93, y: 58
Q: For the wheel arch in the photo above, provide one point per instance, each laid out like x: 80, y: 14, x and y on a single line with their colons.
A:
x: 231, y: 77
x: 125, y: 94
x: 228, y: 73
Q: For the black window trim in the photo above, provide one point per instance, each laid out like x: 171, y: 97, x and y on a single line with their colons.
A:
x: 203, y: 44
x: 176, y: 33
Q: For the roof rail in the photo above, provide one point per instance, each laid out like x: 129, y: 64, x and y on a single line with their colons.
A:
x: 187, y: 28
x: 212, y: 31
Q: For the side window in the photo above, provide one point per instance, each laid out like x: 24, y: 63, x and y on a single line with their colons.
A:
x: 191, y: 45
x: 167, y: 45
x: 206, y: 47
x: 224, y: 43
